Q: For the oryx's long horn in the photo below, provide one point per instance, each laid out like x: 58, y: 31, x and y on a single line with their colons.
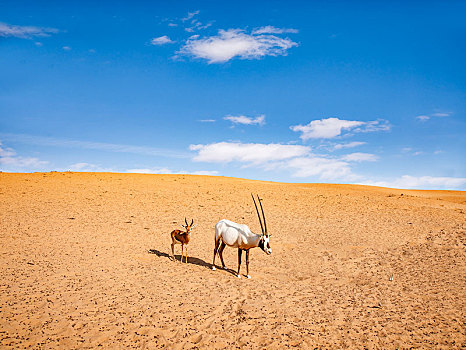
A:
x: 185, y: 221
x: 263, y: 216
x: 192, y: 222
x: 258, y: 215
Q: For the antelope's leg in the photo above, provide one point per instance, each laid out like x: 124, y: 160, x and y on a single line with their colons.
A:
x: 173, y: 249
x: 217, y: 243
x: 247, y: 263
x: 220, y: 253
x: 182, y: 250
x: 186, y: 261
x: 240, y: 252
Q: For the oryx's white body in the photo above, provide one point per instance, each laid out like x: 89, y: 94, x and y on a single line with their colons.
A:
x: 236, y: 235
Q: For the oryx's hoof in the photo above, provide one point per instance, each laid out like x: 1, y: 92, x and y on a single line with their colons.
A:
x: 213, y: 268
x: 247, y: 276
x: 239, y: 276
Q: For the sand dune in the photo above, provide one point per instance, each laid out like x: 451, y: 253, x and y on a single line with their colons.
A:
x: 84, y: 263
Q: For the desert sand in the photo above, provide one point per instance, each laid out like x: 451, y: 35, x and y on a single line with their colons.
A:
x: 85, y: 264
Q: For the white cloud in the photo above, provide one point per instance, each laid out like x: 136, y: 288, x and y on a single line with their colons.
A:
x: 252, y: 153
x: 22, y: 162
x: 150, y: 171
x: 441, y: 114
x: 25, y: 32
x: 273, y: 30
x: 207, y: 120
x: 6, y: 152
x: 10, y: 161
x: 101, y: 146
x: 190, y: 15
x: 325, y: 128
x: 161, y: 40
x: 422, y: 182
x: 333, y: 127
x: 411, y: 151
x: 193, y: 23
x: 374, y: 125
x: 204, y: 172
x: 294, y: 158
x: 196, y: 25
x: 325, y: 168
x: 168, y: 171
x: 360, y: 157
x: 241, y: 119
x: 236, y: 43
x: 66, y: 48
x: 88, y: 167
x: 423, y: 118
x: 348, y: 145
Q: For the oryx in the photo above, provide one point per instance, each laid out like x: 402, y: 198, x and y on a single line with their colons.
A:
x: 240, y: 236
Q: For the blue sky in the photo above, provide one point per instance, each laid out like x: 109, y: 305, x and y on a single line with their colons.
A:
x: 365, y: 92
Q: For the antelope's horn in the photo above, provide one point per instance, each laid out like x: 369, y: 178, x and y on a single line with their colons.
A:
x: 263, y: 216
x: 186, y: 222
x: 192, y: 222
x: 257, y: 210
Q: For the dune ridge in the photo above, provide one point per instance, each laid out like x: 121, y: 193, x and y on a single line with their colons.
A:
x: 85, y: 263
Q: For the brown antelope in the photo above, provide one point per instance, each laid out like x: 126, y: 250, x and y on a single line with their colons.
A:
x: 229, y: 233
x: 180, y: 237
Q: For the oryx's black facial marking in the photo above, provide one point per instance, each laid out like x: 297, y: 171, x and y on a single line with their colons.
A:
x: 261, y: 244
x: 264, y: 245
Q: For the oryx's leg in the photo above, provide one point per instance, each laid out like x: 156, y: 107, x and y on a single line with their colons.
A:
x: 217, y: 243
x: 220, y: 253
x: 240, y: 252
x: 247, y: 264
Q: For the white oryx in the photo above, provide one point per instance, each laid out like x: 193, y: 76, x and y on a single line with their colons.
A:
x: 240, y: 236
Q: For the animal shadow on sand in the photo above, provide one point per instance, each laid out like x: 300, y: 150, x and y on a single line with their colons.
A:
x: 191, y: 260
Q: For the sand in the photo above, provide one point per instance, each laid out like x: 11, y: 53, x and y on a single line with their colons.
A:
x: 84, y: 263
